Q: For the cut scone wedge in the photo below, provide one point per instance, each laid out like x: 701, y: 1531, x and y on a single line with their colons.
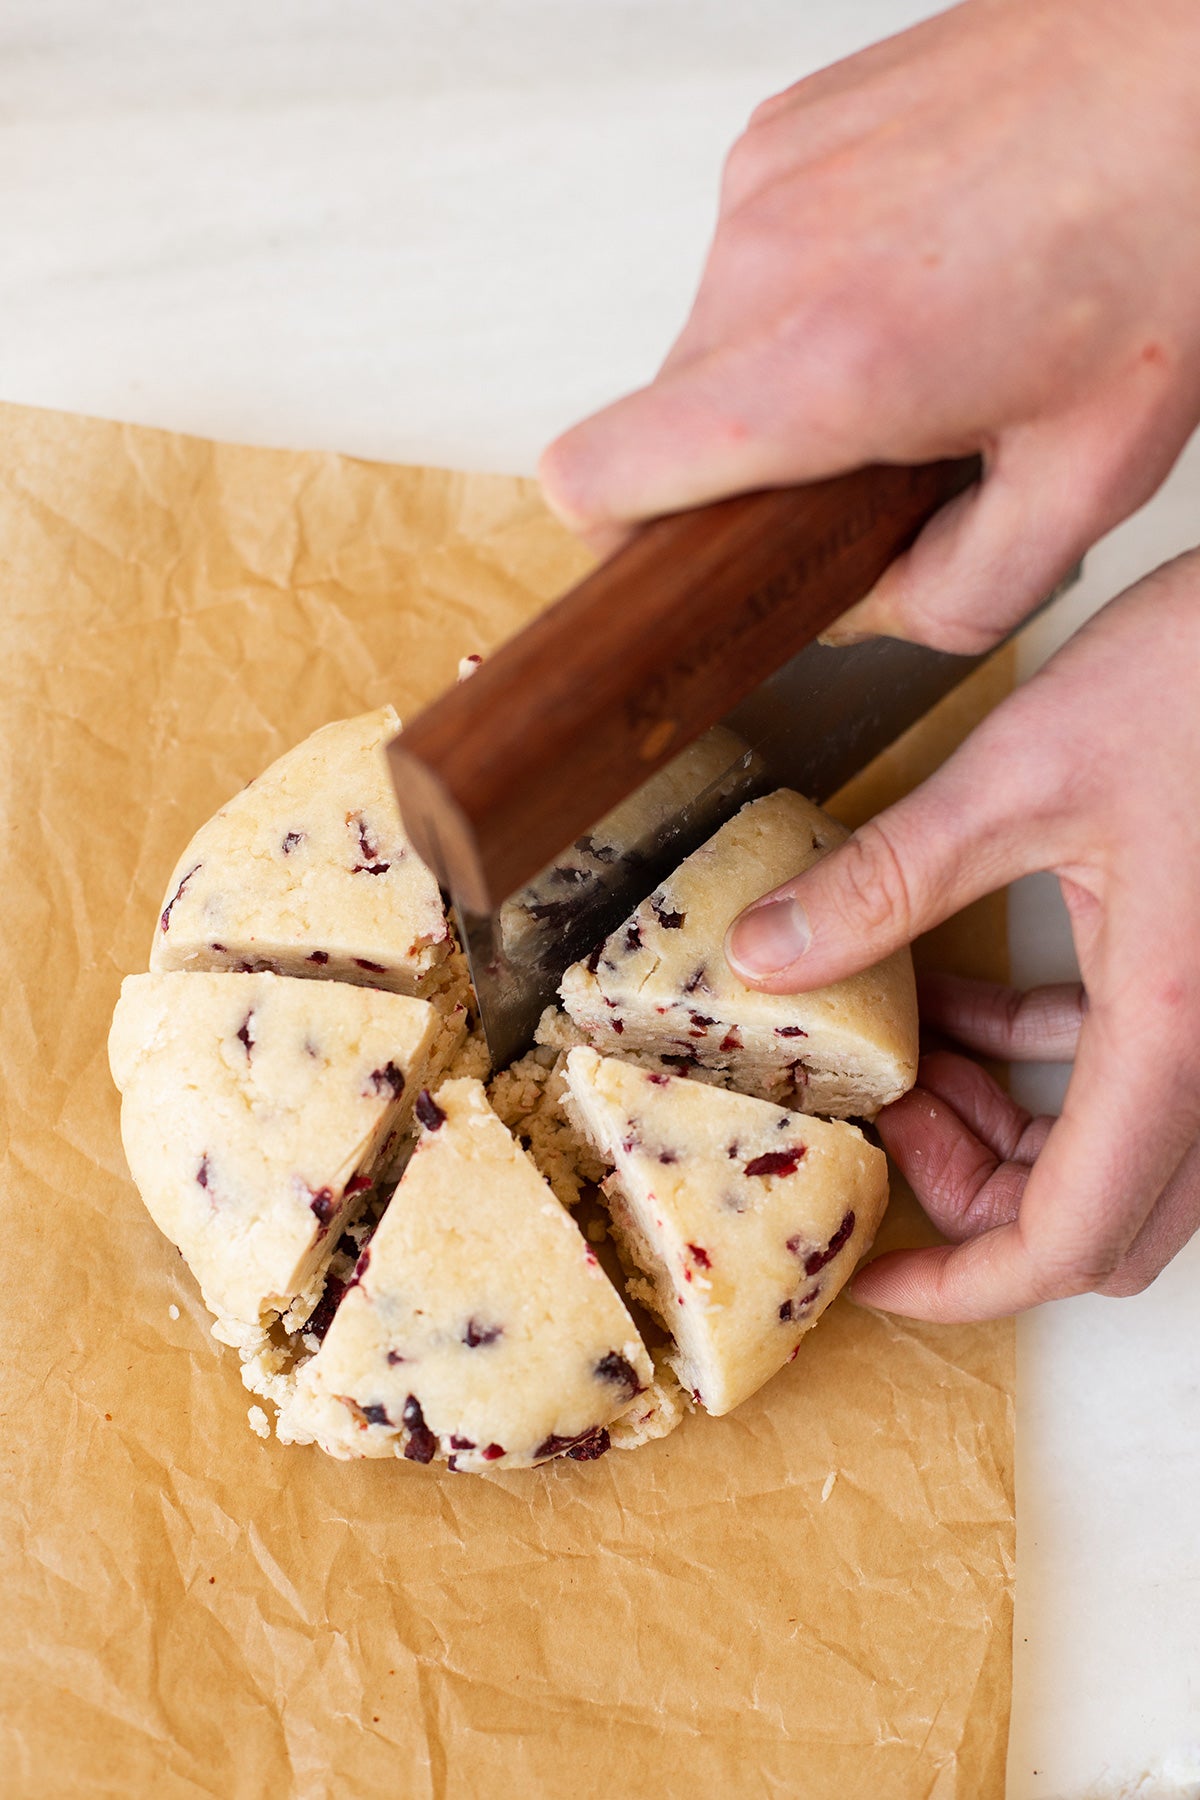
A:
x: 480, y: 1327
x: 659, y: 989
x: 256, y: 1113
x: 308, y: 871
x: 738, y: 1220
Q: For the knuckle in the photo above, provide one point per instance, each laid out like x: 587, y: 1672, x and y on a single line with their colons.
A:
x: 1126, y: 1282
x: 748, y: 165
x: 875, y: 893
x: 1087, y: 1275
x: 769, y: 109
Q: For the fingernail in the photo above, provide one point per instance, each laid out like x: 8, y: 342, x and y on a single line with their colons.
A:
x: 841, y: 637
x: 769, y: 938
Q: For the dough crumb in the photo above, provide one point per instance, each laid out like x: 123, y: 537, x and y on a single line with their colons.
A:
x: 172, y: 1311
x: 828, y: 1487
x: 259, y: 1423
x: 656, y: 1411
x: 528, y: 1097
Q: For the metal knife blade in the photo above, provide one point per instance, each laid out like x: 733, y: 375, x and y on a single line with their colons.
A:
x: 812, y: 725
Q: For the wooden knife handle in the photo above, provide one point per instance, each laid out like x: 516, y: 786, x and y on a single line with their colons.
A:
x: 573, y: 713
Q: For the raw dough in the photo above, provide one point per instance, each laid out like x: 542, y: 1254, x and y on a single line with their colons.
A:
x: 256, y: 1112
x: 480, y: 1327
x: 745, y: 1219
x: 308, y: 872
x: 659, y: 989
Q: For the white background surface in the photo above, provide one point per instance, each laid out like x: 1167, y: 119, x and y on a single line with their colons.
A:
x: 440, y: 232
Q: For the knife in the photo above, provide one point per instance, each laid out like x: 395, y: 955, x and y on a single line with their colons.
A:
x: 555, y: 788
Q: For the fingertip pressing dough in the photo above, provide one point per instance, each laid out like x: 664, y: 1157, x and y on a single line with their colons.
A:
x: 741, y: 1219
x: 659, y: 988
x: 479, y: 1328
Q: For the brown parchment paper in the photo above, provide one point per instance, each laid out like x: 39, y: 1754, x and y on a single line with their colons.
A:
x: 809, y: 1598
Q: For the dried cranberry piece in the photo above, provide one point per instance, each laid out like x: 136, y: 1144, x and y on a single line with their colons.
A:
x: 322, y: 1205
x: 346, y: 1245
x: 799, y: 1074
x: 615, y: 1368
x: 376, y: 1415
x: 321, y: 1316
x: 840, y: 1238
x: 319, y: 956
x: 589, y: 1448
x: 357, y: 1184
x: 731, y: 1041
x: 429, y: 1112
x: 658, y: 1080
x: 561, y: 1446
x: 202, y: 1172
x: 670, y: 921
x: 380, y: 868
x: 219, y: 949
x: 791, y: 1309
x: 366, y: 849
x: 385, y: 1079
x: 700, y: 1256
x: 593, y: 961
x: 361, y: 1266
x: 395, y: 1357
x: 633, y: 937
x: 372, y: 968
x: 667, y: 1156
x: 695, y: 980
x: 165, y: 920
x: 422, y: 1444
x: 245, y: 1033
x: 491, y: 1452
x: 776, y: 1162
x: 462, y: 1443
x: 701, y: 1021
x: 790, y: 1031
x: 477, y: 1334
x: 291, y: 839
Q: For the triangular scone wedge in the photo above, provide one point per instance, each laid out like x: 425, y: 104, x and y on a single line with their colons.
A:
x: 480, y: 1326
x: 308, y: 872
x: 744, y: 1219
x: 659, y: 989
x: 256, y: 1111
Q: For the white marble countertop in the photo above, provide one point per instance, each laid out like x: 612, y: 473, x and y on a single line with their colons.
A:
x: 440, y: 232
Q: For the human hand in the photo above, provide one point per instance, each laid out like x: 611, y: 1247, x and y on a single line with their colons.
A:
x: 978, y: 235
x: 1090, y: 770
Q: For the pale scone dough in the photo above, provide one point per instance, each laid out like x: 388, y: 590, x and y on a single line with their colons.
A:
x: 659, y: 989
x: 308, y: 871
x: 256, y: 1112
x: 744, y: 1218
x: 480, y: 1327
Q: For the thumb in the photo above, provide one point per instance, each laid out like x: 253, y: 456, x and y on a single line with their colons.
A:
x: 964, y: 833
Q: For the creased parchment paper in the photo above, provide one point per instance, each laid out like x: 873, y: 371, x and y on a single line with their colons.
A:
x: 809, y: 1598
